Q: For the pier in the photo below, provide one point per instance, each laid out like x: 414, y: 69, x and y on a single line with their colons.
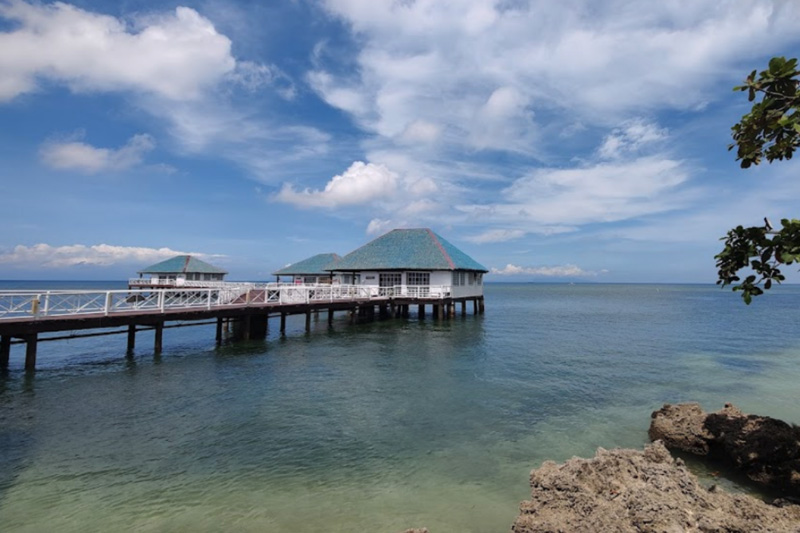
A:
x: 244, y: 309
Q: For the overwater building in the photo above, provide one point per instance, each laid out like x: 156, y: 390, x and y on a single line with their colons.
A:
x: 314, y: 270
x: 179, y: 271
x: 412, y: 262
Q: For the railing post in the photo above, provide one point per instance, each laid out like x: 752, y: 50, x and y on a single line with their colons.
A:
x: 209, y: 298
x: 35, y: 305
x: 109, y: 297
x: 46, y: 302
x: 161, y: 300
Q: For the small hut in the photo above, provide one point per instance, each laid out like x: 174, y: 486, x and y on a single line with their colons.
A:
x: 310, y: 271
x: 179, y: 271
x: 413, y: 262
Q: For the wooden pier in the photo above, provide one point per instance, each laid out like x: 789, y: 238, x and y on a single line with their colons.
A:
x: 242, y: 309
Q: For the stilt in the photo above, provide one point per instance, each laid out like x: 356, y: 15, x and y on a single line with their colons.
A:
x: 421, y: 311
x: 219, y: 330
x: 308, y: 321
x: 439, y: 311
x: 5, y: 351
x: 463, y: 308
x: 474, y: 306
x: 480, y: 305
x: 330, y: 317
x: 245, y: 324
x: 227, y: 326
x: 30, y: 351
x: 405, y: 310
x: 283, y: 323
x: 392, y: 310
x: 159, y: 337
x: 131, y: 337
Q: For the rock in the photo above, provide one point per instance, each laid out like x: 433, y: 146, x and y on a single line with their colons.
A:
x: 639, y: 491
x: 765, y: 449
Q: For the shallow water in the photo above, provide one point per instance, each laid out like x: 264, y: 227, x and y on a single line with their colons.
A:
x: 376, y: 427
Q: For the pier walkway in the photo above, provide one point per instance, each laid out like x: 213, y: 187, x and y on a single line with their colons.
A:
x: 24, y: 315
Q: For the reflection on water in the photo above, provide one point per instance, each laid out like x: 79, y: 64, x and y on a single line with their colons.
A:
x: 376, y: 427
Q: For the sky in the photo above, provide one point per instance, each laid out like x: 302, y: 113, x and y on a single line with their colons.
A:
x: 578, y: 140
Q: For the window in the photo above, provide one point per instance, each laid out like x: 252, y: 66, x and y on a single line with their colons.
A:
x: 390, y: 279
x: 459, y: 278
x: 418, y: 278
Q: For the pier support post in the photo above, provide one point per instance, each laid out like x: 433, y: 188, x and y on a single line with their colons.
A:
x: 439, y: 311
x: 159, y: 337
x: 330, y: 317
x: 480, y: 305
x: 308, y: 321
x: 218, y: 336
x: 421, y: 311
x: 283, y: 323
x: 393, y: 311
x: 5, y: 351
x: 245, y: 325
x: 259, y: 326
x: 474, y: 306
x: 463, y: 308
x: 30, y: 351
x: 131, y: 337
x: 405, y: 310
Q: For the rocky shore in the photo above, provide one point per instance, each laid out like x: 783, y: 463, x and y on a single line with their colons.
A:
x: 765, y: 449
x: 650, y: 491
x: 640, y: 491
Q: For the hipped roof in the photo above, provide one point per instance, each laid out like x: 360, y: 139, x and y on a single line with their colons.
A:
x: 318, y: 265
x: 182, y: 264
x: 408, y: 249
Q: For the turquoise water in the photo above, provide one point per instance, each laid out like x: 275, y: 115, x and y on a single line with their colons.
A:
x: 377, y: 427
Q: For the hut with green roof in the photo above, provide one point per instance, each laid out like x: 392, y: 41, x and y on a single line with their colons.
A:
x: 413, y: 262
x: 313, y: 270
x: 181, y: 270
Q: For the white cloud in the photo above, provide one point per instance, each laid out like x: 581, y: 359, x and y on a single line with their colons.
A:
x: 174, y: 55
x: 632, y: 137
x: 548, y: 271
x: 359, y: 184
x: 496, y: 235
x: 47, y: 256
x: 377, y: 226
x: 75, y: 155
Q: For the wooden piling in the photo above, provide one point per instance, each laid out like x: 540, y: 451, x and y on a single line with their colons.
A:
x: 31, y: 342
x: 5, y: 351
x: 218, y: 336
x: 283, y: 323
x: 474, y: 306
x: 159, y: 337
x: 463, y: 308
x: 421, y: 310
x: 131, y: 337
x: 330, y: 317
x: 308, y: 321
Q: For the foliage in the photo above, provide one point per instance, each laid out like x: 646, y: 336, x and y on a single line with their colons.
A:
x: 770, y: 130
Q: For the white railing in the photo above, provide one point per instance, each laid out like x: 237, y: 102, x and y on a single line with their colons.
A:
x: 191, y: 283
x: 62, y: 303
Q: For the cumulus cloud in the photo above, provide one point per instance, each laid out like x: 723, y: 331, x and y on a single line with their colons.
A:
x: 548, y: 271
x: 76, y: 155
x: 48, y: 256
x: 174, y: 55
x: 359, y: 184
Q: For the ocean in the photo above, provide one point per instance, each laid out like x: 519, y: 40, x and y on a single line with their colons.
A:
x: 377, y: 427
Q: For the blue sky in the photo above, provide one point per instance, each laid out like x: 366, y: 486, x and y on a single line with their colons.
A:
x: 573, y: 140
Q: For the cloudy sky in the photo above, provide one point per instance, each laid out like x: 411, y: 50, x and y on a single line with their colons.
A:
x: 571, y: 140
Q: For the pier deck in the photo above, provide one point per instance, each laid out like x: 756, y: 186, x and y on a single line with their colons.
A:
x: 248, y: 306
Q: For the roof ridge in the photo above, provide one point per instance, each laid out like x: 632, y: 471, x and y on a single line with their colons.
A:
x: 441, y: 248
x: 186, y: 263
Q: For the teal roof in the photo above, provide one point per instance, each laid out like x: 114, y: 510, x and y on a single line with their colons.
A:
x: 408, y: 249
x: 181, y: 264
x: 319, y: 265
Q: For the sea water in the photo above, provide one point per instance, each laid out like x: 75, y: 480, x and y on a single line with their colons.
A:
x: 377, y: 427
